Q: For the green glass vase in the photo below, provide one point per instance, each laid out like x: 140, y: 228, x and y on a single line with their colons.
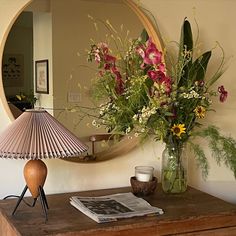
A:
x: 174, y: 169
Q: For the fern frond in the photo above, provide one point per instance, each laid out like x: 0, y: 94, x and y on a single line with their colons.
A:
x: 223, y: 148
x: 200, y: 158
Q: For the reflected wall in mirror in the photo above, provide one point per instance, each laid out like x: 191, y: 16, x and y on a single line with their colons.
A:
x: 60, y: 31
x: 17, y: 63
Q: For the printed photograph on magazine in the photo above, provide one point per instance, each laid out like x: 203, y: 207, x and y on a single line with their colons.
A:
x: 113, y: 207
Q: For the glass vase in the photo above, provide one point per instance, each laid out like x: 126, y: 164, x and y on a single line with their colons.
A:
x: 174, y: 169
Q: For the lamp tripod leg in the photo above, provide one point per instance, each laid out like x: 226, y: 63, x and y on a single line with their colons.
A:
x: 43, y: 202
x: 20, y: 199
x: 35, y: 200
x: 44, y: 197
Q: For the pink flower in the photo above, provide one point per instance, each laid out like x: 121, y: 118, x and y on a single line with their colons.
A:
x: 140, y: 50
x: 166, y: 81
x: 109, y: 58
x: 101, y: 73
x: 152, y: 55
x: 200, y: 83
x: 107, y: 66
x: 223, y: 93
x: 155, y: 75
x: 119, y: 82
x: 116, y: 72
x: 103, y: 47
x: 160, y: 78
x: 142, y: 66
x: 119, y: 86
x: 97, y: 57
x: 161, y: 67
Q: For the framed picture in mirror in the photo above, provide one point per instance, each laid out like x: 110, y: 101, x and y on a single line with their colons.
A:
x: 13, y: 70
x: 41, y: 76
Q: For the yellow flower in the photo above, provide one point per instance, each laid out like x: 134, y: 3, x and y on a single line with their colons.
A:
x: 200, y: 111
x: 178, y: 129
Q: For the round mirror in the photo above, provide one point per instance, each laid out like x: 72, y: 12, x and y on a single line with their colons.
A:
x: 45, y: 59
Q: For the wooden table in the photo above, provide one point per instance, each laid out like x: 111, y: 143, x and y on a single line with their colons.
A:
x: 191, y: 213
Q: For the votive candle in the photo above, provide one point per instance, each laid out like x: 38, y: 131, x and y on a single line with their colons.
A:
x: 144, y: 173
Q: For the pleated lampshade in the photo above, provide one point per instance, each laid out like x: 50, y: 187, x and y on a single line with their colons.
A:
x: 35, y: 135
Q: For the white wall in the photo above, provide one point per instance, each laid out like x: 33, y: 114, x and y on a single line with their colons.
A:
x: 42, y: 25
x: 216, y: 21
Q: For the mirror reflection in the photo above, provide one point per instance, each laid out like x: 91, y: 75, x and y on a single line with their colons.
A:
x: 60, y: 31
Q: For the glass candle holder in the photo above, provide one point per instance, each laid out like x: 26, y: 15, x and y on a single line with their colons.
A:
x: 144, y: 173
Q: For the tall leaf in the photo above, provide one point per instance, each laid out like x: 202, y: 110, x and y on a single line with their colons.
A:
x: 186, y: 44
x: 144, y: 36
x: 186, y: 38
x: 198, y: 69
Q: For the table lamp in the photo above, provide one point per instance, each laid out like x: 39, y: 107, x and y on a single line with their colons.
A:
x: 35, y: 135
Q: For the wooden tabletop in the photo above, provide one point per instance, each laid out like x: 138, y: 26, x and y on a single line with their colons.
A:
x: 192, y: 211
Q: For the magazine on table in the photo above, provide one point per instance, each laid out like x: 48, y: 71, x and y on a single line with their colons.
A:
x: 113, y: 207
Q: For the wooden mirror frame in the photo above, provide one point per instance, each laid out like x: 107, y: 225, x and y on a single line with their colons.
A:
x: 126, y: 144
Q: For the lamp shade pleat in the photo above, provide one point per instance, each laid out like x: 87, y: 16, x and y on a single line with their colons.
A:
x: 35, y: 135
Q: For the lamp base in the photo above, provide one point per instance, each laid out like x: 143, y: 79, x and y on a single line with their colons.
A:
x: 42, y: 197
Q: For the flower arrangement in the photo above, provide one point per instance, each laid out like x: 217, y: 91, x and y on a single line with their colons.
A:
x: 143, y: 95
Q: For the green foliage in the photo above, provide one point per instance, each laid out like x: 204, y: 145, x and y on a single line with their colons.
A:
x: 200, y: 158
x: 223, y: 148
x: 144, y: 36
x: 185, y: 52
x: 186, y: 38
x: 198, y: 69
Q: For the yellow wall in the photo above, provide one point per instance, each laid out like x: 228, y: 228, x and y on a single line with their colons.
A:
x: 216, y: 22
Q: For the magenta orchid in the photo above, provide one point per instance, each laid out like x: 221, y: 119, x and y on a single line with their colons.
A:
x: 107, y: 63
x: 152, y: 55
x: 156, y: 75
